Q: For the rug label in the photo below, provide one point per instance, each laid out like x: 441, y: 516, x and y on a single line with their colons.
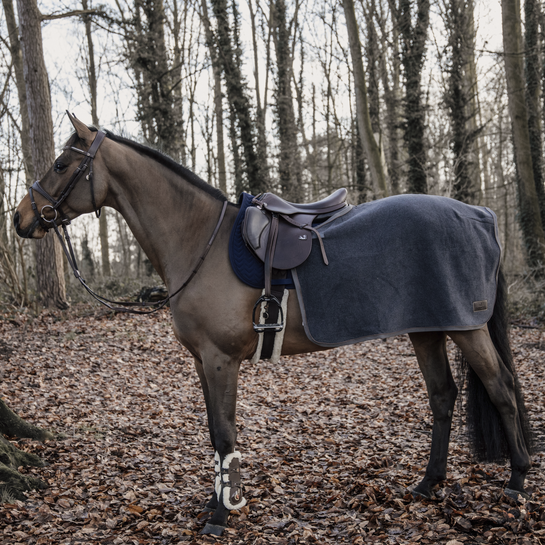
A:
x: 479, y: 306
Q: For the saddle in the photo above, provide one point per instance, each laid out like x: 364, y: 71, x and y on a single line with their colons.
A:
x: 279, y: 233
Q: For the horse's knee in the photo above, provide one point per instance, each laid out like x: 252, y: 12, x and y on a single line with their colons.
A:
x: 224, y: 442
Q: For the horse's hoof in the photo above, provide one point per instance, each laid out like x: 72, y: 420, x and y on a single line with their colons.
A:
x: 213, y: 529
x: 516, y: 494
x: 419, y: 494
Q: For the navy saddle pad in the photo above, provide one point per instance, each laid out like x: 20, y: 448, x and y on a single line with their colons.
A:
x: 248, y: 268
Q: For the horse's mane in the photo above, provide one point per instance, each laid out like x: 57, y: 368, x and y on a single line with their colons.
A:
x: 166, y: 161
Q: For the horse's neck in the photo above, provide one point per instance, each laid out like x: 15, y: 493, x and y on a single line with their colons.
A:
x: 168, y: 216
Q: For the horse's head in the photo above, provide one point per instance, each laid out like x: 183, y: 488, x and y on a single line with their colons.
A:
x: 71, y: 187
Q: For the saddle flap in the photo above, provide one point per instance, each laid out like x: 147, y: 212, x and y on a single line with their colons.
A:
x: 293, y: 244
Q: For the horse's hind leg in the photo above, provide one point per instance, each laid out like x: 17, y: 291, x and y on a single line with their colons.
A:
x: 499, y: 382
x: 431, y: 353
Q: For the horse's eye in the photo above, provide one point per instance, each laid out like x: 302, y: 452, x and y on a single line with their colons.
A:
x: 59, y: 167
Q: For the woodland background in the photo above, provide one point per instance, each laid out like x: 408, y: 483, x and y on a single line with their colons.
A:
x: 379, y: 96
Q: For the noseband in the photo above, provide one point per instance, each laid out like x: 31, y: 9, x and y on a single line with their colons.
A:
x: 66, y: 243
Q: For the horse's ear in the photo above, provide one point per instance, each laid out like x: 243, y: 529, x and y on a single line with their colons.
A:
x: 82, y: 129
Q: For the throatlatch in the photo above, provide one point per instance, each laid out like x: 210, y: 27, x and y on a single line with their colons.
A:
x: 228, y: 484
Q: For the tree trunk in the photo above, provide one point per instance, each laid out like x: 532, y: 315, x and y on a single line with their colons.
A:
x: 49, y: 262
x: 254, y: 168
x: 530, y: 218
x: 372, y: 58
x: 413, y: 38
x: 289, y: 160
x: 478, y: 171
x: 390, y: 76
x: 362, y: 109
x: 261, y: 102
x: 148, y: 57
x: 458, y: 99
x: 17, y: 59
x: 533, y: 80
x: 180, y: 29
x: 13, y: 483
x: 218, y: 98
x: 103, y: 220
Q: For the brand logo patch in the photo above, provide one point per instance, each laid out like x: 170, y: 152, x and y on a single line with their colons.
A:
x: 479, y: 306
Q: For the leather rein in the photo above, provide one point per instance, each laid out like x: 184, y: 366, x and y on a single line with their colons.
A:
x: 66, y: 243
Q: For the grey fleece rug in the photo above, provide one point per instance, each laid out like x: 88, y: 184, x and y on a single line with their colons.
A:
x: 398, y: 265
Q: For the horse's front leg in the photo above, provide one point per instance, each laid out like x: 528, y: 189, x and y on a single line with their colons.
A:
x: 219, y: 379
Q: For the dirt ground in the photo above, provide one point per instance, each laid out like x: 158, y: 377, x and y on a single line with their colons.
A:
x: 331, y: 442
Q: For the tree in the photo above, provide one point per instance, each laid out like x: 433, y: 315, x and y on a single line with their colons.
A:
x: 533, y: 72
x: 92, y: 79
x: 390, y: 73
x: 459, y: 99
x: 49, y: 257
x: 24, y: 132
x: 147, y: 54
x: 413, y: 30
x: 17, y: 60
x: 255, y: 169
x: 14, y: 483
x: 529, y: 214
x: 289, y: 161
x: 218, y: 97
x: 362, y: 109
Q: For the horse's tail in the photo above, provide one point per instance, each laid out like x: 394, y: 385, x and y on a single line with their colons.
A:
x: 488, y: 441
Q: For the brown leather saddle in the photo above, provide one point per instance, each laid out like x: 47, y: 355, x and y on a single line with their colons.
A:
x: 280, y: 234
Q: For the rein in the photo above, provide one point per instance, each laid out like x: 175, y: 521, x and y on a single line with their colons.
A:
x: 66, y: 242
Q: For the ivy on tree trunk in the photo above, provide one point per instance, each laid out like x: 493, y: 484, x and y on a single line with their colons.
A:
x: 230, y: 60
x: 459, y: 100
x: 289, y: 160
x: 413, y: 29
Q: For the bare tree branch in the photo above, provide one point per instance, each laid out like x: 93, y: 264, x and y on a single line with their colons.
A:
x: 76, y: 13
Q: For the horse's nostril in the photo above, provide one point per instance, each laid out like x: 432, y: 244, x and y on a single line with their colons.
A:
x: 16, y: 220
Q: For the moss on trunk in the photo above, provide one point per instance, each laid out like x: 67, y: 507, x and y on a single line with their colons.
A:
x: 12, y: 483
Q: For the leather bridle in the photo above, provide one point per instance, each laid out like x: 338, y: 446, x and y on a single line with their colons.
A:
x: 55, y: 205
x: 66, y: 243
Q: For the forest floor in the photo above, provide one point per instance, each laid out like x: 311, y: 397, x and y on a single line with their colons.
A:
x: 331, y: 442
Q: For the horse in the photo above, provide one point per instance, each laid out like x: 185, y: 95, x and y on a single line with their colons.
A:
x: 172, y: 213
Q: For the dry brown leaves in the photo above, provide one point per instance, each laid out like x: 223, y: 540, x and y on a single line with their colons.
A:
x: 331, y: 442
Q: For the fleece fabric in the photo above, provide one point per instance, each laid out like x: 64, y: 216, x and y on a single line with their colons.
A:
x: 398, y: 265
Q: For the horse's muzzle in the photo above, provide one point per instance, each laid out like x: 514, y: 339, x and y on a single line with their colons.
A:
x: 27, y: 232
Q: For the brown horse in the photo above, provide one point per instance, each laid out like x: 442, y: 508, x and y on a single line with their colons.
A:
x: 173, y: 213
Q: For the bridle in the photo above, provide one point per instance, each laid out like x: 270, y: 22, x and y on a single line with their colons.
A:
x: 55, y: 205
x: 66, y: 243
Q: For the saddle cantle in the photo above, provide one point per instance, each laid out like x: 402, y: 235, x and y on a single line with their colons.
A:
x: 279, y: 233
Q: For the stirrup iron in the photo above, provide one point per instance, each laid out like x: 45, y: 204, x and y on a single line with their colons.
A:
x: 261, y: 328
